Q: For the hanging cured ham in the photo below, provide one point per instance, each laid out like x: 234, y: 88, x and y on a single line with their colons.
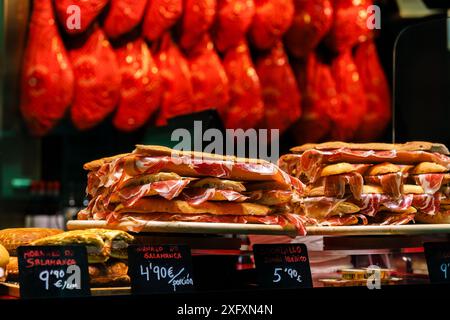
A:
x: 47, y: 78
x: 97, y: 80
x: 319, y: 99
x: 279, y: 90
x: 349, y: 24
x: 209, y: 80
x: 69, y: 15
x: 197, y: 19
x: 348, y: 115
x: 376, y: 88
x: 123, y: 16
x: 160, y: 15
x: 312, y: 20
x: 178, y: 96
x: 272, y: 19
x: 234, y: 18
x: 140, y: 91
x: 246, y: 108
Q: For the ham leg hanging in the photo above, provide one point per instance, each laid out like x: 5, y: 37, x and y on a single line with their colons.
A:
x: 97, y: 80
x: 279, y: 90
x: 196, y: 21
x: 123, y: 16
x: 178, y: 96
x: 246, y: 108
x: 47, y: 79
x: 234, y: 18
x: 209, y: 80
x: 312, y: 20
x: 272, y: 19
x: 160, y: 16
x: 140, y: 91
x: 376, y: 87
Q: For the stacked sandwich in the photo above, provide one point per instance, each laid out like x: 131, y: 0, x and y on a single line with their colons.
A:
x: 106, y: 250
x: 156, y: 183
x: 13, y: 238
x: 375, y: 183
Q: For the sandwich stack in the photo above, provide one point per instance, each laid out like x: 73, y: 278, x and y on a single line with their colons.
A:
x: 106, y: 251
x: 156, y: 183
x: 376, y: 183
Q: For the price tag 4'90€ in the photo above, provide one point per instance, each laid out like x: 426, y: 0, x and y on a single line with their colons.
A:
x: 160, y: 268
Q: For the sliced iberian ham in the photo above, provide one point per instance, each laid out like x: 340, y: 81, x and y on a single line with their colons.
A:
x: 312, y: 156
x: 391, y: 183
x: 138, y: 221
x: 430, y: 182
x: 197, y: 196
x: 388, y: 218
x: 168, y: 189
x: 371, y: 202
x: 346, y: 220
x: 334, y: 186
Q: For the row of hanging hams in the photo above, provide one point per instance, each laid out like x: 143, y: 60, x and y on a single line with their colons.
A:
x: 256, y: 62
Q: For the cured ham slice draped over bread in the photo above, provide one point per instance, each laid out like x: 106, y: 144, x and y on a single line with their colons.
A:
x: 374, y: 183
x: 156, y: 183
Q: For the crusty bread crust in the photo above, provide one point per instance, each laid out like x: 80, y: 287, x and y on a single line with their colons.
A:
x: 15, y: 237
x: 160, y: 151
x: 408, y: 146
x: 155, y: 205
x: 438, y: 218
x: 95, y: 164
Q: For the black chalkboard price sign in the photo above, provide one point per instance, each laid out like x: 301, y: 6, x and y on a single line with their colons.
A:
x: 438, y: 261
x: 53, y: 271
x: 282, y: 265
x: 160, y: 268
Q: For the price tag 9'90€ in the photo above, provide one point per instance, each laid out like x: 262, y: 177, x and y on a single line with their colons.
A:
x: 282, y: 265
x: 53, y: 271
x: 160, y: 268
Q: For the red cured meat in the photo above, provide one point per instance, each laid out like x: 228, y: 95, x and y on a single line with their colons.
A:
x: 246, y: 108
x: 178, y: 96
x: 160, y: 16
x: 232, y: 23
x: 376, y: 88
x: 319, y: 99
x: 197, y: 196
x: 197, y: 19
x: 391, y: 183
x: 430, y: 182
x: 97, y: 80
x: 89, y: 10
x: 209, y: 80
x: 272, y: 19
x: 47, y: 78
x: 312, y: 20
x: 349, y: 24
x: 279, y: 90
x: 347, y: 117
x: 123, y: 16
x: 140, y: 91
